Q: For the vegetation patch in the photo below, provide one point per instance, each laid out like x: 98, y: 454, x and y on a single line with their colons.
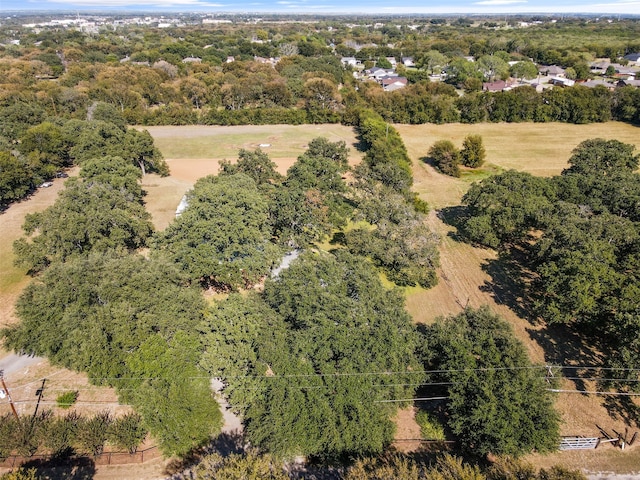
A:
x: 67, y: 399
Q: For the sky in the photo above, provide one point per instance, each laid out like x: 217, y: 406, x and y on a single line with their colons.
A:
x: 428, y: 7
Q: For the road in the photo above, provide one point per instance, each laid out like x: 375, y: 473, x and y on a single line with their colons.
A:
x: 13, y: 363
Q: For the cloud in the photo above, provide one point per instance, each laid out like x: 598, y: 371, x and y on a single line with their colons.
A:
x: 128, y: 3
x: 499, y: 2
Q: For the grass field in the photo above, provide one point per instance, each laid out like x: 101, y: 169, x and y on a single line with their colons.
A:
x: 195, y: 151
x: 541, y: 149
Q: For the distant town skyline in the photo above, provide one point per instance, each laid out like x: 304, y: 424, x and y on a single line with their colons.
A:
x: 425, y: 7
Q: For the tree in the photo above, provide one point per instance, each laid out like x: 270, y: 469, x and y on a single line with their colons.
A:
x: 431, y: 61
x: 87, y: 216
x: 382, y: 62
x: 90, y: 313
x: 223, y: 237
x: 312, y: 200
x: 524, y: 70
x: 256, y: 165
x: 602, y: 158
x: 473, y: 153
x: 330, y: 319
x: 178, y: 409
x: 249, y: 465
x: 47, y: 139
x: 505, y: 208
x: 114, y: 171
x: 493, y: 66
x: 446, y: 157
x: 398, y: 241
x: 321, y: 93
x: 498, y: 402
x: 92, y: 433
x: 127, y: 432
x: 138, y: 148
x: 16, y: 178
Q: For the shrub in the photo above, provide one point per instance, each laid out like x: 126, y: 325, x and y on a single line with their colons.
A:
x: 127, y: 432
x: 473, y: 153
x: 67, y: 399
x: 430, y: 428
x: 446, y: 157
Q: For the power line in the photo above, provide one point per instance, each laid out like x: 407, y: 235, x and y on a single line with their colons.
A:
x: 622, y: 394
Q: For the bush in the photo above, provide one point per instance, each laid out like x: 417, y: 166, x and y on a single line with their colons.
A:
x: 430, y: 428
x: 67, y: 399
x: 127, y: 432
x: 92, y: 433
x: 473, y: 153
x: 446, y: 157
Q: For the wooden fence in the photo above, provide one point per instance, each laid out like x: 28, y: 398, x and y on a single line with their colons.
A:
x: 106, y: 458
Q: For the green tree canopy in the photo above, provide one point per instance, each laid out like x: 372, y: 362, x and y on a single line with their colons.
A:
x: 87, y: 216
x: 331, y: 320
x: 255, y: 164
x: 223, y: 237
x: 498, y: 401
x: 446, y: 157
x: 505, y: 207
x: 171, y: 393
x: 89, y: 313
x: 397, y: 240
x: 473, y: 153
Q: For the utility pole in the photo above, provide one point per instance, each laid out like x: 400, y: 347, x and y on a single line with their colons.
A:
x: 6, y: 391
x: 39, y: 394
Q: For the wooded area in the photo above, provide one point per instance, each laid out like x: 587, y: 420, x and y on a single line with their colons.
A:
x: 318, y: 357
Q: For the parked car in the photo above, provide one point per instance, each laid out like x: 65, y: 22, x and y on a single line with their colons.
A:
x: 46, y: 185
x: 61, y: 175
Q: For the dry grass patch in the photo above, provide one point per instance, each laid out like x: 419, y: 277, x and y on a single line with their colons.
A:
x: 538, y: 148
x: 541, y: 149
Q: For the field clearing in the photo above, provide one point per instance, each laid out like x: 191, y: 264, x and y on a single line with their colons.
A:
x: 193, y: 152
x: 538, y: 148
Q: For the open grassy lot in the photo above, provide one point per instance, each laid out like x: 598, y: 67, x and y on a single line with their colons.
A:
x: 538, y: 148
x: 195, y: 151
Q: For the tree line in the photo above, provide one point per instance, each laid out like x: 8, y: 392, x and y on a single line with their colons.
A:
x: 73, y: 433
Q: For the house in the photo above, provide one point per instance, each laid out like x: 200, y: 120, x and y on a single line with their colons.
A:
x: 633, y: 58
x: 599, y: 67
x: 551, y: 70
x: 628, y: 83
x: 392, y: 83
x: 596, y: 83
x: 191, y: 60
x: 230, y: 59
x: 625, y: 71
x: 376, y: 73
x: 408, y: 62
x: 561, y: 82
x: 392, y: 61
x: 498, y: 86
x: 349, y: 61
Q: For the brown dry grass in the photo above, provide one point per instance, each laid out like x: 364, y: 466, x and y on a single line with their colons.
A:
x: 541, y: 149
